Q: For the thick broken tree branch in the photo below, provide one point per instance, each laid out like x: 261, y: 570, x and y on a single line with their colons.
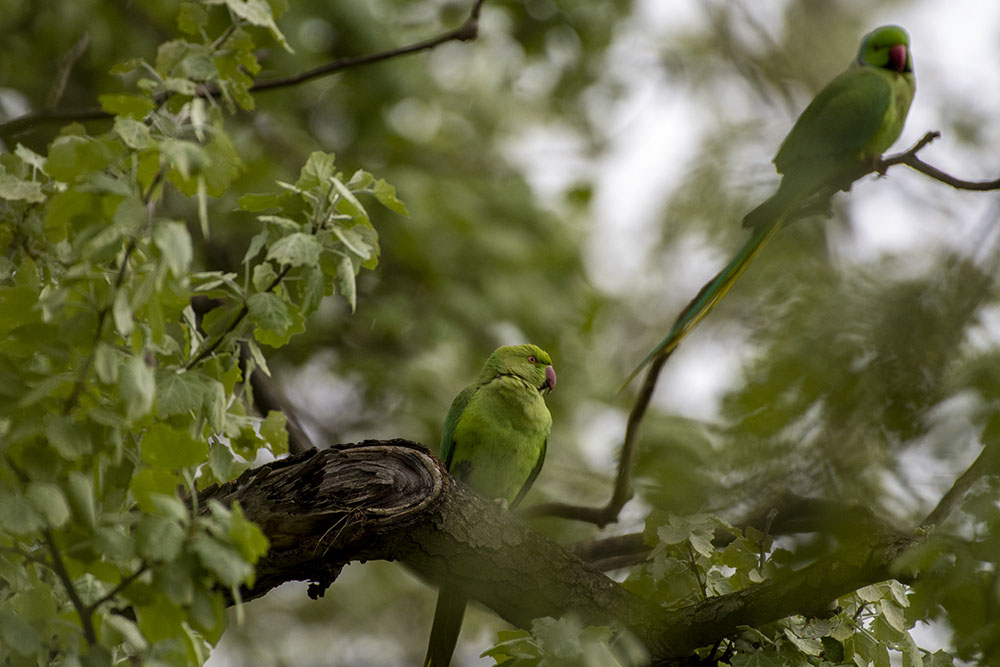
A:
x: 393, y: 500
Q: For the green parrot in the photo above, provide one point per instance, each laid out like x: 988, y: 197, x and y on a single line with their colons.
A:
x: 837, y: 139
x: 494, y: 440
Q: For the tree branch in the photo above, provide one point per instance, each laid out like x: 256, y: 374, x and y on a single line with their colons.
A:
x: 394, y: 500
x: 469, y: 30
x: 622, y: 492
x: 985, y: 464
x: 910, y: 159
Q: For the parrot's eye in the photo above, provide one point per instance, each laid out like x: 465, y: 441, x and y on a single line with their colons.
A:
x: 532, y: 360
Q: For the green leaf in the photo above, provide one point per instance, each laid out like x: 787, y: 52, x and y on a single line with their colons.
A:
x: 386, y: 195
x: 296, y: 249
x: 345, y: 282
x: 66, y: 437
x: 275, y: 432
x: 280, y: 223
x: 80, y: 493
x: 221, y: 559
x: 30, y: 157
x: 174, y: 242
x: 258, y: 13
x: 263, y: 276
x: 18, y: 634
x: 317, y: 171
x: 258, y: 357
x: 248, y: 539
x: 220, y: 461
x: 208, y: 614
x: 125, y: 104
x: 17, y: 515
x: 869, y: 593
x: 121, y: 313
x: 160, y: 620
x: 349, y: 204
x: 15, y: 189
x: 893, y: 615
x: 179, y: 393
x: 133, y: 132
x: 113, y: 544
x: 159, y: 539
x: 269, y: 312
x: 49, y: 500
x: 19, y: 306
x: 165, y: 447
x: 257, y: 244
x: 354, y: 241
x: 192, y: 18
x: 812, y: 647
x: 149, y: 482
x: 312, y: 286
x: 127, y: 629
x: 256, y: 202
x: 71, y: 157
x: 137, y: 386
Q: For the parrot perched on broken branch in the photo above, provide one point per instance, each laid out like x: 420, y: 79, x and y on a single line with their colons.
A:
x: 494, y: 440
x: 839, y: 137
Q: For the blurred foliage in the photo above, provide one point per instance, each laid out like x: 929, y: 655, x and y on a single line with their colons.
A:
x: 867, y: 380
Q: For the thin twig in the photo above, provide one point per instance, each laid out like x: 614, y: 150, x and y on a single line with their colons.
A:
x: 65, y: 67
x: 469, y: 30
x: 622, y: 493
x: 204, y: 352
x: 910, y: 159
x: 984, y: 464
x: 82, y: 610
x: 122, y: 585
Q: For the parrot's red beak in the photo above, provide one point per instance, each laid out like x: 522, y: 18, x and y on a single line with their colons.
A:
x: 550, y: 379
x: 897, y: 57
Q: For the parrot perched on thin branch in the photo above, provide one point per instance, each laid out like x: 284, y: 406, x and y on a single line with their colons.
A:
x: 838, y: 138
x: 494, y: 440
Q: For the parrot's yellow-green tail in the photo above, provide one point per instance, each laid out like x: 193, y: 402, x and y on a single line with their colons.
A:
x: 765, y: 223
x: 447, y: 624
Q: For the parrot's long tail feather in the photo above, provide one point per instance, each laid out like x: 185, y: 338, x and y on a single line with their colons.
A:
x: 716, y: 288
x: 447, y: 624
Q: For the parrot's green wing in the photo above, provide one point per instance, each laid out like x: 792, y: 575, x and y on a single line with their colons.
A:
x: 454, y: 412
x: 841, y: 122
x: 531, y: 476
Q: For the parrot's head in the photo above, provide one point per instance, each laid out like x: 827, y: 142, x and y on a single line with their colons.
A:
x: 887, y: 47
x: 527, y: 362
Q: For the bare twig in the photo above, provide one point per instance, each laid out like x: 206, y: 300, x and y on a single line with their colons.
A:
x: 122, y: 585
x: 622, y: 492
x: 85, y: 613
x: 910, y: 159
x: 984, y: 464
x: 469, y: 30
x: 65, y: 67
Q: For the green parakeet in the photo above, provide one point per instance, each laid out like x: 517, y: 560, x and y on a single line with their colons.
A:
x: 836, y: 140
x: 494, y: 440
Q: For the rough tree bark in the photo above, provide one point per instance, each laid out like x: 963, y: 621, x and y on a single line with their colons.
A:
x: 393, y: 500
